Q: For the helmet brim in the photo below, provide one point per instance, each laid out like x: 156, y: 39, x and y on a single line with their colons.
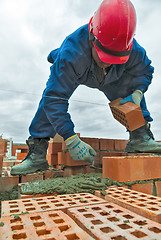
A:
x: 107, y: 58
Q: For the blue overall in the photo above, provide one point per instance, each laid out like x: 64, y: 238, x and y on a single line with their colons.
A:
x: 73, y: 65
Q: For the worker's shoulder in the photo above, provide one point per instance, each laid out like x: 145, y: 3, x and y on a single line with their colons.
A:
x: 137, y: 48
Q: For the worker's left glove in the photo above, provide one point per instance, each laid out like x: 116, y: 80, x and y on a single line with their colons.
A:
x: 135, y: 97
x: 80, y: 150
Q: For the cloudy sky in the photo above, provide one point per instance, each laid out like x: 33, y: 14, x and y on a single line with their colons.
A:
x: 29, y: 30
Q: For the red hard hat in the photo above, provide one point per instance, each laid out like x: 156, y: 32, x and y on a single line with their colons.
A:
x: 112, y: 30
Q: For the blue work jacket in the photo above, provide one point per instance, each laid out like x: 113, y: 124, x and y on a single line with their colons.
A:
x: 73, y: 65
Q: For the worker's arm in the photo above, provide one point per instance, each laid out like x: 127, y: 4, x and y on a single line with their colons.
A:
x: 139, y: 67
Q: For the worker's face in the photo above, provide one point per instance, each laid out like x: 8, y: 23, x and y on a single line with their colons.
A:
x: 98, y: 60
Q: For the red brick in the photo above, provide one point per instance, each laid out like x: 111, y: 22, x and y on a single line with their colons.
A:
x: 51, y: 173
x: 106, y: 144
x: 17, y: 162
x: 52, y: 159
x: 93, y: 142
x: 64, y: 158
x: 143, y: 204
x: 21, y: 156
x: 1, y: 163
x: 143, y: 187
x: 53, y: 225
x: 158, y: 185
x: 54, y: 147
x: 132, y: 168
x: 7, y: 183
x: 108, y: 221
x: 68, y: 171
x: 48, y: 203
x: 120, y: 144
x: 128, y: 114
x: 32, y: 177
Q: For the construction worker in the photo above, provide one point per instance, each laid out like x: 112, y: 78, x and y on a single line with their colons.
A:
x: 104, y: 55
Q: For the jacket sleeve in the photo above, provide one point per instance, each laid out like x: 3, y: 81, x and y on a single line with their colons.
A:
x: 139, y: 66
x: 61, y: 84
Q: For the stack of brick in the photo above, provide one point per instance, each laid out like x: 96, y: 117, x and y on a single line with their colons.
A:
x: 82, y: 216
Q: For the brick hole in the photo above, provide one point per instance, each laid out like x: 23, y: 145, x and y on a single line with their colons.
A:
x: 67, y: 199
x: 53, y: 215
x: 155, y: 229
x: 15, y: 220
x: 49, y: 198
x: 104, y: 213
x: 116, y: 196
x: 41, y: 203
x: 88, y: 215
x: 54, y: 201
x: 117, y: 211
x: 125, y: 194
x: 13, y: 206
x: 19, y: 236
x: 31, y: 209
x: 28, y: 204
x: 93, y: 200
x: 73, y: 195
x: 141, y: 223
x: 14, y: 211
x: 57, y: 221
x: 83, y: 201
x: 35, y: 218
x: 88, y: 197
x: 27, y: 200
x: 17, y: 227
x: 72, y: 203
x: 151, y: 198
x: 106, y: 229
x: 45, y: 207
x: 142, y: 200
x: 96, y: 222
x: 133, y: 197
x: 134, y: 193
x: 39, y: 199
x: 59, y: 205
x: 119, y: 238
x: 153, y: 209
x: 139, y: 234
x: 43, y: 232
x: 72, y: 237
x: 142, y: 195
x: 64, y: 228
x: 152, y: 203
x: 14, y: 202
x: 96, y: 208
x: 109, y: 206
x: 82, y: 210
x: 38, y: 224
x: 130, y: 201
x: 113, y: 219
x: 127, y: 216
x: 141, y: 205
x: 82, y: 194
x: 62, y: 196
x: 124, y: 226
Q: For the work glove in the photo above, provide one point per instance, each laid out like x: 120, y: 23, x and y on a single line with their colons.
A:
x: 135, y: 97
x: 79, y: 150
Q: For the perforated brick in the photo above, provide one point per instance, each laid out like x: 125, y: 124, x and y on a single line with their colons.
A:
x: 143, y: 204
x: 128, y: 114
x: 52, y: 225
x: 48, y: 203
x: 109, y: 221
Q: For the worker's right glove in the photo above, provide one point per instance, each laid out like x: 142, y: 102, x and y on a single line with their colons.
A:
x: 135, y: 97
x: 80, y: 150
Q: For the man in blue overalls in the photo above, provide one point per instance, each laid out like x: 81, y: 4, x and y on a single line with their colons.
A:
x: 104, y: 55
